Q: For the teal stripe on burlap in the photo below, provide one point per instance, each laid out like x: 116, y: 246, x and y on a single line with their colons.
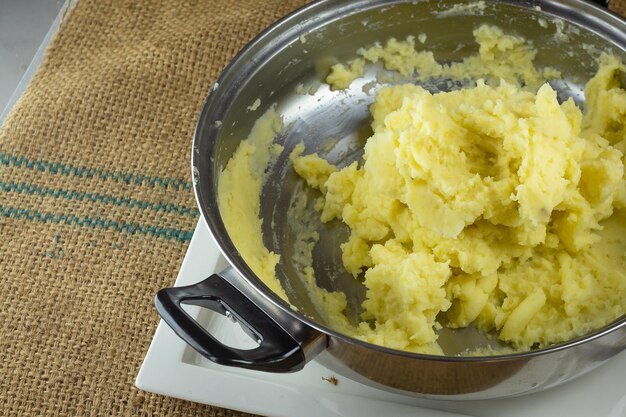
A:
x: 24, y: 188
x: 96, y: 223
x: 86, y: 172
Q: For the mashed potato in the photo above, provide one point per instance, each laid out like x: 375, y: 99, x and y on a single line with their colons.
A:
x: 500, y: 56
x: 495, y: 205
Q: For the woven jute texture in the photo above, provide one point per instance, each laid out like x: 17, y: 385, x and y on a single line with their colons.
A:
x: 97, y: 208
x: 618, y: 6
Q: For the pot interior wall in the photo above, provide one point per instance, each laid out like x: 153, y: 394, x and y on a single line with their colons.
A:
x: 335, y: 124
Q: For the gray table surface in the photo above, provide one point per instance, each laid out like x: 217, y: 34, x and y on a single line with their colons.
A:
x: 24, y: 29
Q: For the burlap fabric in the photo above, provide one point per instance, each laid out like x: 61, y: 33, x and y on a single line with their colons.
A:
x: 97, y: 208
x: 618, y: 6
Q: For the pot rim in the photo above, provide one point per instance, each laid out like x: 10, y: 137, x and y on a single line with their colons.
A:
x: 593, y: 17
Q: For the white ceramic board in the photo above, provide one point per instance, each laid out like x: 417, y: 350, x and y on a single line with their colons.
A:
x: 172, y: 368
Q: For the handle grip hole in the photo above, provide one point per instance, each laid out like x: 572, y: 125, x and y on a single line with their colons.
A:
x: 233, y: 334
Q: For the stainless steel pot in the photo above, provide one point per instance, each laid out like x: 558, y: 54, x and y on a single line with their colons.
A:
x: 269, y: 69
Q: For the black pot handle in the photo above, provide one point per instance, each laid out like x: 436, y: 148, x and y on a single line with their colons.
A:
x: 277, y: 350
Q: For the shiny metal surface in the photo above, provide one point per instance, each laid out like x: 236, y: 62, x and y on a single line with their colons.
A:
x: 336, y: 124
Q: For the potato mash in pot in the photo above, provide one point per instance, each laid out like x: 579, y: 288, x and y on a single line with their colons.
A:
x: 496, y: 205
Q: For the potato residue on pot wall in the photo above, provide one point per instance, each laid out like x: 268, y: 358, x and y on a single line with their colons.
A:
x: 239, y: 191
x: 500, y: 56
x: 496, y: 204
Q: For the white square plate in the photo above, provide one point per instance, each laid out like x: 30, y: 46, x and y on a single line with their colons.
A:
x: 172, y: 368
